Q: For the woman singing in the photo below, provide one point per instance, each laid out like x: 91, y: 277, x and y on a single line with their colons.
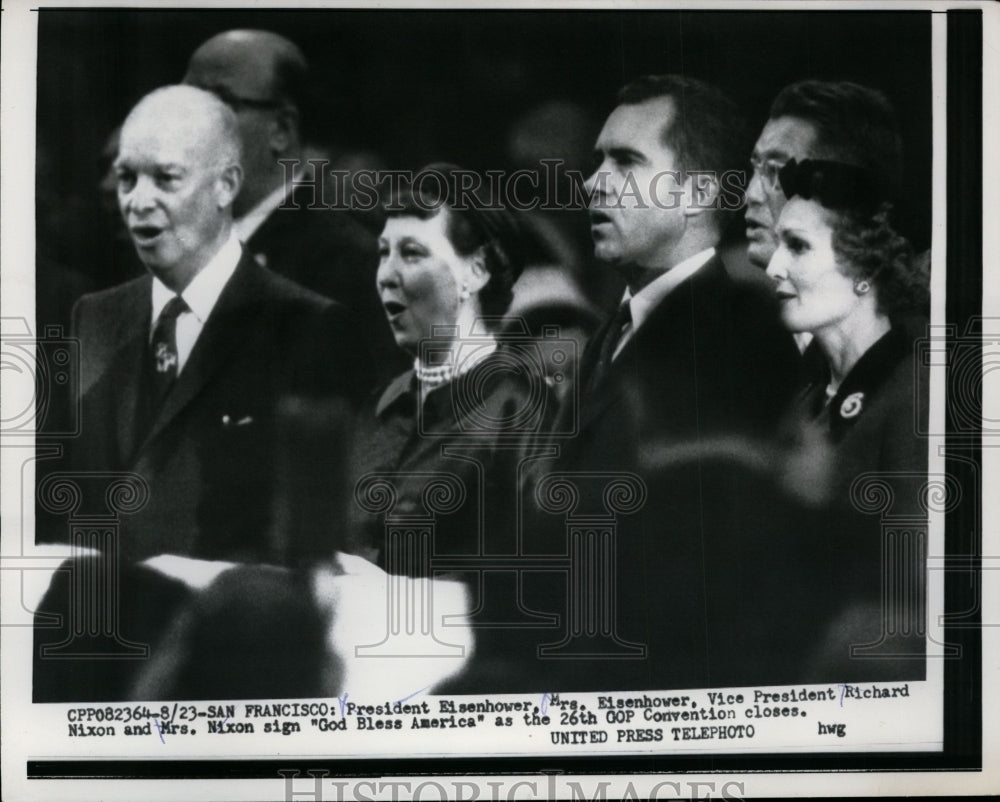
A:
x: 449, y: 434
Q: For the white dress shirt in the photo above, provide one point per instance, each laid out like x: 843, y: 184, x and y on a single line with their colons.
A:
x: 200, y: 295
x: 642, y: 304
x: 246, y: 225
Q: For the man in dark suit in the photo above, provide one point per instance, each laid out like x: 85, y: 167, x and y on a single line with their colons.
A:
x: 183, y: 375
x: 183, y: 369
x: 690, y: 354
x: 675, y: 390
x: 279, y: 212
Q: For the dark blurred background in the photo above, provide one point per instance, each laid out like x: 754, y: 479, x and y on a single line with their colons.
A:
x: 485, y: 89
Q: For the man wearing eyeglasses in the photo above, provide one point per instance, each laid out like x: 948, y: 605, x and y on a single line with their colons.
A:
x: 836, y: 120
x: 265, y: 79
x: 841, y: 121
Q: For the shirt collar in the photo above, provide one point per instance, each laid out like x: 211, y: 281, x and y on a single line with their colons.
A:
x: 649, y: 297
x: 205, y: 288
x: 246, y: 225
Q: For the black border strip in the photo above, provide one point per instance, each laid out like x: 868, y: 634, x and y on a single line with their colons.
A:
x: 497, y: 766
x: 963, y: 525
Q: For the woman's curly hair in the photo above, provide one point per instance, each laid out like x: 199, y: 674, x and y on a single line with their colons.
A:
x: 866, y: 243
x: 474, y: 224
x: 864, y: 239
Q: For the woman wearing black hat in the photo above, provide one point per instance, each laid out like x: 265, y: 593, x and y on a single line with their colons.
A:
x: 845, y: 276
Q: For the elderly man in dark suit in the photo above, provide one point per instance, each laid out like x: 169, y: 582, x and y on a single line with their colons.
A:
x: 279, y: 211
x: 183, y: 375
x: 183, y: 369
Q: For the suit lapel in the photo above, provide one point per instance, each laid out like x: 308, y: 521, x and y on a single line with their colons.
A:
x: 671, y: 322
x: 229, y: 324
x: 259, y: 242
x: 678, y: 310
x: 599, y: 392
x: 273, y: 229
x: 130, y: 338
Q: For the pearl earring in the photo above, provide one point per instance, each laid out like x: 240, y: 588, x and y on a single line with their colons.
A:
x: 464, y: 294
x: 862, y: 287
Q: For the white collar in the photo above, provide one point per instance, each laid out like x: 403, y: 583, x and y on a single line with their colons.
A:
x: 205, y: 288
x: 246, y: 225
x: 649, y: 297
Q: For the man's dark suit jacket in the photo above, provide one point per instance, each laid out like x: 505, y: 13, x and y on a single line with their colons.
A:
x: 711, y: 359
x: 209, y: 452
x: 710, y: 366
x: 331, y: 252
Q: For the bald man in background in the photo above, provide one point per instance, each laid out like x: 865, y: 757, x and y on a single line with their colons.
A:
x: 265, y: 79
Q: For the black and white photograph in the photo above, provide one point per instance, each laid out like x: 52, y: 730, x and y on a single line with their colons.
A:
x: 497, y: 402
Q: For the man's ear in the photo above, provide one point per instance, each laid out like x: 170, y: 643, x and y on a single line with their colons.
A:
x: 478, y: 276
x: 701, y: 191
x: 228, y: 186
x: 284, y: 130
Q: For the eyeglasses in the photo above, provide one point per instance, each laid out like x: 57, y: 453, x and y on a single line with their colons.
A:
x: 767, y: 170
x: 237, y: 103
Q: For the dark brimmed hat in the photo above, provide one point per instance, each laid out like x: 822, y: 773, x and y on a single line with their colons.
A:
x: 836, y: 185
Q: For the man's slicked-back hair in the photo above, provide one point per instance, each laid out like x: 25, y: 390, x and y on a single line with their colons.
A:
x: 708, y: 131
x: 854, y: 124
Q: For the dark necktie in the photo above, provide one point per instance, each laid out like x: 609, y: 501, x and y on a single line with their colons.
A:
x: 163, y: 351
x: 619, y: 324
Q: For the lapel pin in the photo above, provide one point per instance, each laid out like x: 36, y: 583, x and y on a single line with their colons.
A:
x: 852, y: 405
